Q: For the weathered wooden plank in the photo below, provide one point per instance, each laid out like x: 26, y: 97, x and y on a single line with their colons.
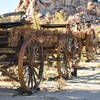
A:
x: 53, y: 25
x: 7, y: 50
x: 12, y: 14
x: 7, y: 60
x: 14, y: 24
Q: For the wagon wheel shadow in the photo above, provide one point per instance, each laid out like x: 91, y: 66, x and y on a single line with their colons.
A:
x: 87, y: 79
x: 7, y: 91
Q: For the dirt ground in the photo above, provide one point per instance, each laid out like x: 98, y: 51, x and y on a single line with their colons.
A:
x: 84, y: 87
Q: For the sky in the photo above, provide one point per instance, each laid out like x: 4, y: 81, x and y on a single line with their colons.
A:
x: 7, y: 6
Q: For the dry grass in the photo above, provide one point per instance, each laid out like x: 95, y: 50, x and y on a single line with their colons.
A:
x: 97, y: 29
x: 58, y: 18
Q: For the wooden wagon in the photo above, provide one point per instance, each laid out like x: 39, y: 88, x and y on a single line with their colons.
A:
x: 28, y: 57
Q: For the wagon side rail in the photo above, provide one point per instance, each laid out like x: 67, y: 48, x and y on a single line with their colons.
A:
x: 53, y: 25
x: 14, y: 24
x: 12, y: 14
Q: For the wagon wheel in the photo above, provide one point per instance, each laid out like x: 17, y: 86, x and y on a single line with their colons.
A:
x: 90, y: 54
x: 30, y: 65
x: 93, y: 54
x: 63, y: 64
x: 69, y: 61
x: 97, y: 48
x: 66, y: 66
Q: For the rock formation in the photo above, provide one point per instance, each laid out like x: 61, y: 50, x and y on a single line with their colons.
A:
x: 50, y: 6
x: 90, y: 13
x: 78, y: 10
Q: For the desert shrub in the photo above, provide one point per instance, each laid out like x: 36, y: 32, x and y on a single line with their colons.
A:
x: 58, y: 18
